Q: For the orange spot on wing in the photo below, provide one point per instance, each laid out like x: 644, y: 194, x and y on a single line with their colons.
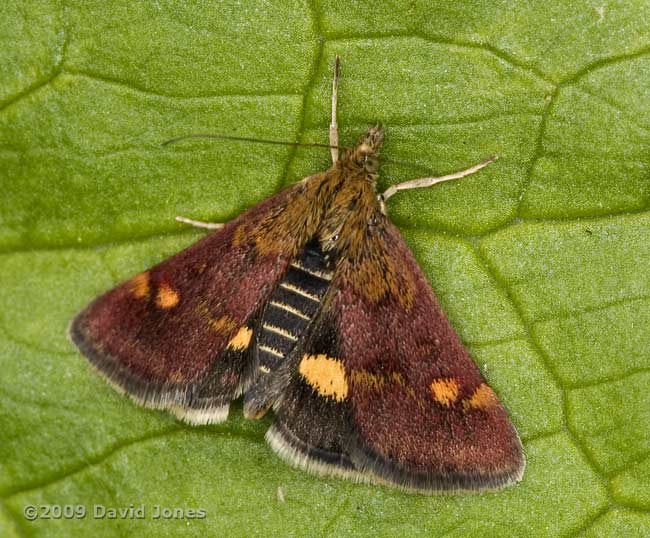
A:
x: 223, y: 324
x: 365, y: 380
x: 482, y: 398
x: 140, y: 286
x: 372, y: 381
x: 325, y: 375
x: 167, y: 296
x: 445, y: 391
x: 241, y: 340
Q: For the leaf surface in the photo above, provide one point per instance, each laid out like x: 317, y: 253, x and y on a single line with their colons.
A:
x: 541, y: 260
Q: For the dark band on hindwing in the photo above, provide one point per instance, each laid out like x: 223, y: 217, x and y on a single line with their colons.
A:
x: 292, y: 306
x: 311, y: 428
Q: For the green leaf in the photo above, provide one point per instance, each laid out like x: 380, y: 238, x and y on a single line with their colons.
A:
x: 541, y: 260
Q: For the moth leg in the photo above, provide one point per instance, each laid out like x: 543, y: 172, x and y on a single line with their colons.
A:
x: 334, y: 128
x: 201, y: 224
x: 428, y: 181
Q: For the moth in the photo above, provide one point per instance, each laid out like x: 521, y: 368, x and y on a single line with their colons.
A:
x: 311, y: 304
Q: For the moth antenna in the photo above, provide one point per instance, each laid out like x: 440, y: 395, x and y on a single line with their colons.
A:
x: 248, y: 139
x: 428, y: 181
x: 334, y: 128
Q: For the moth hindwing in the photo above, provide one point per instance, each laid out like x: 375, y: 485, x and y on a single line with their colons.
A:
x: 311, y: 304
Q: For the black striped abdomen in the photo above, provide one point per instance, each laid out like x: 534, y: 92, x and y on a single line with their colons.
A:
x: 292, y: 306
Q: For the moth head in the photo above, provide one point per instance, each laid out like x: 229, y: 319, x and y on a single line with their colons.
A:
x: 365, y: 154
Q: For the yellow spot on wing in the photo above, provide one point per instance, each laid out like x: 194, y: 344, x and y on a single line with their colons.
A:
x: 140, y: 286
x: 483, y: 398
x: 223, y: 324
x: 167, y: 296
x: 373, y: 381
x: 241, y: 340
x: 445, y: 391
x: 367, y: 379
x: 325, y: 375
x: 390, y: 381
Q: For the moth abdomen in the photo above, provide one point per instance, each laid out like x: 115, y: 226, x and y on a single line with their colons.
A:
x: 292, y: 307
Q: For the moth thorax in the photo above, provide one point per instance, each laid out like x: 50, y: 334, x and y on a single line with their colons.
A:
x: 328, y: 237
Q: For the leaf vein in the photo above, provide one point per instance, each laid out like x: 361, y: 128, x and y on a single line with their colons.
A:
x: 548, y: 366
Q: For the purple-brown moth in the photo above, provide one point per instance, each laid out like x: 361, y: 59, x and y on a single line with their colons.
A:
x: 310, y: 303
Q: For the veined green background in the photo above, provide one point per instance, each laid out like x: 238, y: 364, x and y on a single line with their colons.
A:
x: 541, y: 261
